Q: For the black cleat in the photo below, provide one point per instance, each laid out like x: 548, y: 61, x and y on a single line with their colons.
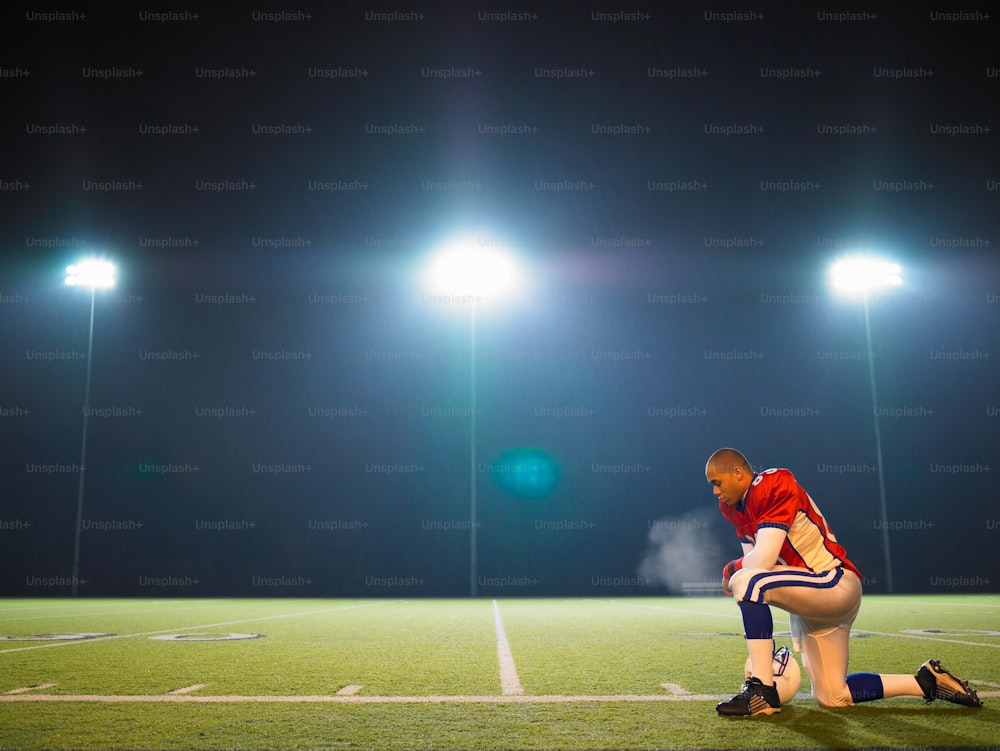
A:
x: 938, y: 683
x: 754, y: 699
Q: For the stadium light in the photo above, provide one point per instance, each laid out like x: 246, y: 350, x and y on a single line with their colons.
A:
x: 464, y: 268
x: 467, y: 271
x: 864, y: 274
x: 92, y: 274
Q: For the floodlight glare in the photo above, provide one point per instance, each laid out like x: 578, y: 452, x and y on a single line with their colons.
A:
x: 472, y: 271
x: 864, y: 274
x: 465, y: 268
x: 92, y: 274
x: 95, y: 273
x: 859, y: 275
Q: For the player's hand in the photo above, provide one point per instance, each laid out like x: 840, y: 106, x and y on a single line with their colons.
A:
x: 727, y: 571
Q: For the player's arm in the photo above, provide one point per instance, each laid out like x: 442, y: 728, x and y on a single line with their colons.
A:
x: 777, y: 512
x: 766, y: 549
x: 762, y: 554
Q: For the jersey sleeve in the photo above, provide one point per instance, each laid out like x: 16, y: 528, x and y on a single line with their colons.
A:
x: 779, y: 502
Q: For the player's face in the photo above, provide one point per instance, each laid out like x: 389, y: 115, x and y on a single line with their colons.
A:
x: 728, y: 487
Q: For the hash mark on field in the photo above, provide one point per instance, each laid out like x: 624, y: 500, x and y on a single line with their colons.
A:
x: 25, y: 689
x: 509, y: 682
x: 349, y: 690
x: 676, y: 689
x: 186, y: 689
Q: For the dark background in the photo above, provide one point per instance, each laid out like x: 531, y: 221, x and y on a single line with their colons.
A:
x: 264, y: 324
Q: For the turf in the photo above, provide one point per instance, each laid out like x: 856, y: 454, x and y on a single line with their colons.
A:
x: 425, y: 674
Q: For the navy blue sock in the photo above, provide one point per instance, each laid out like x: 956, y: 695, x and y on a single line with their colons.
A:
x: 757, y: 620
x: 864, y: 687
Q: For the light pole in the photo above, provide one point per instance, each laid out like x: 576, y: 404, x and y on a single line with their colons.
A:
x: 861, y: 274
x: 470, y: 272
x: 93, y: 274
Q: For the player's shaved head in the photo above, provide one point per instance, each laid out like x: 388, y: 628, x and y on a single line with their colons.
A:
x: 728, y: 460
x: 730, y: 475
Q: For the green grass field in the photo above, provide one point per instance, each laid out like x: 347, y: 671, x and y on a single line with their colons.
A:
x: 460, y: 674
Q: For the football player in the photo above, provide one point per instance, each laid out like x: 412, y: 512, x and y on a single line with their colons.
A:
x: 792, y: 560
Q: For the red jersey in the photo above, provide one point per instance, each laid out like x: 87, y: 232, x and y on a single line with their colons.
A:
x: 775, y: 499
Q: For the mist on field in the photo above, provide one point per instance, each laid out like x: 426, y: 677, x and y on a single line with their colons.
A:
x: 681, y: 549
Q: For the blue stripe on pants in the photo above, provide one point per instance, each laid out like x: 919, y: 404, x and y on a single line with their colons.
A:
x: 761, y: 583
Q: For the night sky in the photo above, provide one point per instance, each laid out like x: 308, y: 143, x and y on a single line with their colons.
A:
x: 280, y: 405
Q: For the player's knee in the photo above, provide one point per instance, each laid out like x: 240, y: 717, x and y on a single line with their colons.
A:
x: 741, y: 580
x: 831, y: 699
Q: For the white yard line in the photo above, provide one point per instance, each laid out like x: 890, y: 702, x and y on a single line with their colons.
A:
x: 855, y: 630
x: 929, y: 637
x: 351, y: 699
x: 192, y: 628
x: 76, y: 614
x: 509, y: 681
x: 679, y: 611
